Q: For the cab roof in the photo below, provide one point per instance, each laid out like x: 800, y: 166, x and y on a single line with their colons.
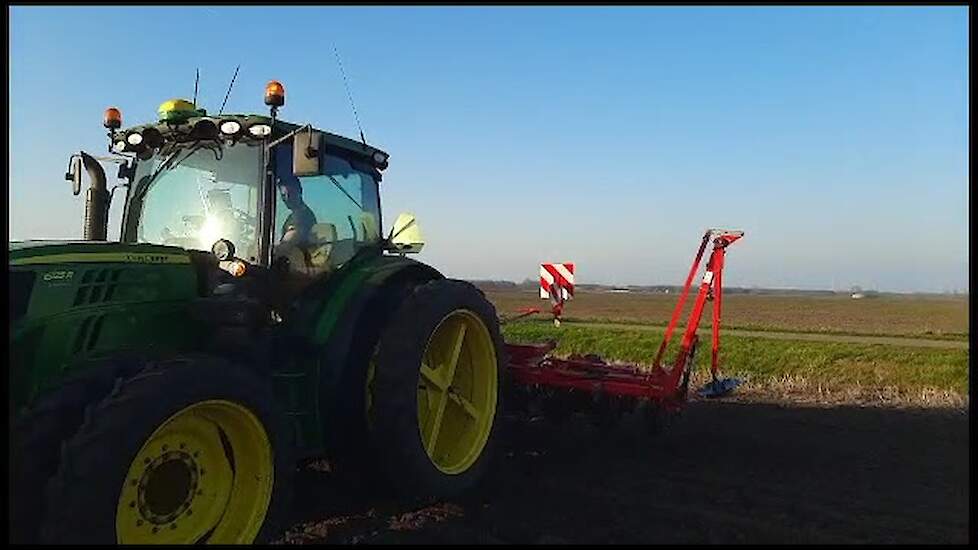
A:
x: 184, y: 127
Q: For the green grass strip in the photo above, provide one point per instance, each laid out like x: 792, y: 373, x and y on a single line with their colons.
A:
x: 828, y: 364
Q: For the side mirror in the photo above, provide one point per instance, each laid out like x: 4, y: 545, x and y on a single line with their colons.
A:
x: 405, y: 237
x: 127, y: 171
x: 74, y: 173
x: 306, y: 152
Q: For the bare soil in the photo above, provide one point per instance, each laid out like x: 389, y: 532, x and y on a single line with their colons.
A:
x: 725, y: 472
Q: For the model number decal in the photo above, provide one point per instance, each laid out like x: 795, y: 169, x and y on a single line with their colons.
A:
x: 58, y: 275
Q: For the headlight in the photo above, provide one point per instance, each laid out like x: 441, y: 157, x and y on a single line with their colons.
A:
x: 152, y: 138
x: 223, y: 249
x: 260, y: 130
x: 119, y: 146
x: 204, y: 129
x: 134, y: 138
x: 230, y: 127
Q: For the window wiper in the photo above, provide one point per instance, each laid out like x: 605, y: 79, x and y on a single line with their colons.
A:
x: 340, y: 187
x: 168, y: 164
x: 218, y: 153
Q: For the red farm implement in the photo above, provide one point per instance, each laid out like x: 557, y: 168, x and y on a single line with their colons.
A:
x: 586, y: 382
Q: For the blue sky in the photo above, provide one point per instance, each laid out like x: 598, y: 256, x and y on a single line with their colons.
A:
x: 836, y: 137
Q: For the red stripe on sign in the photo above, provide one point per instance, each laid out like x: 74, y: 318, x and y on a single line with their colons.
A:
x: 544, y: 284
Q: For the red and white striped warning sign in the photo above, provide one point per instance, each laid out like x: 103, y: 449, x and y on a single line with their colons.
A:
x: 560, y: 275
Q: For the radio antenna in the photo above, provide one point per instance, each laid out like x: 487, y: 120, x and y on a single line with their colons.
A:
x: 349, y: 94
x: 228, y: 94
x: 196, y: 81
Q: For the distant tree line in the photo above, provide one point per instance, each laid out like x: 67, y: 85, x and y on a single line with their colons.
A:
x: 532, y: 284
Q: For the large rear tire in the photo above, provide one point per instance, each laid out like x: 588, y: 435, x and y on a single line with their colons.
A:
x: 436, y: 390
x: 188, y: 450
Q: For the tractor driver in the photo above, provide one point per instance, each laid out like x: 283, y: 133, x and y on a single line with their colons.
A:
x: 297, y: 226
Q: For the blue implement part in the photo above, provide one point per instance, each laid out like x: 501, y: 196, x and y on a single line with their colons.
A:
x: 719, y: 387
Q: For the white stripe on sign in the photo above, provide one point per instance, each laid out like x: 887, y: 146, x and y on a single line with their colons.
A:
x: 546, y: 280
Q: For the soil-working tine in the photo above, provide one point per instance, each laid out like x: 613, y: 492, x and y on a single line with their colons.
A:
x: 718, y: 387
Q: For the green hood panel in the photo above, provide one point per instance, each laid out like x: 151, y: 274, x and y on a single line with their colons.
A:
x: 60, y: 252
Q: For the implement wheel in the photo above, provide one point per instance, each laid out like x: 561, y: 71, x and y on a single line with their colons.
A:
x: 435, y: 391
x: 187, y: 451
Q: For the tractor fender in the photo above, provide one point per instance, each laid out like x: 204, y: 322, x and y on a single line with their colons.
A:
x: 386, y: 276
x: 364, y: 313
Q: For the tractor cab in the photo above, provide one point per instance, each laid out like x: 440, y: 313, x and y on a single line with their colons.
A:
x: 255, y: 190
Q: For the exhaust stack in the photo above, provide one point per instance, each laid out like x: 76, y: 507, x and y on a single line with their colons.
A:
x: 96, y: 199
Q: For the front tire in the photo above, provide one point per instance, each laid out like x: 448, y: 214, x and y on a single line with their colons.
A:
x: 38, y: 434
x: 188, y: 450
x: 436, y: 391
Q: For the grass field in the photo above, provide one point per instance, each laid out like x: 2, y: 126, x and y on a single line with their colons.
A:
x: 913, y: 316
x: 789, y: 369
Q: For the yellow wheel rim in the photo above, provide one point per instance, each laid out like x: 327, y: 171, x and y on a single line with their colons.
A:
x: 457, y: 392
x: 205, y: 475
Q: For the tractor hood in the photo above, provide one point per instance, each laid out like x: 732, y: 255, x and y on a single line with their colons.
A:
x: 24, y: 253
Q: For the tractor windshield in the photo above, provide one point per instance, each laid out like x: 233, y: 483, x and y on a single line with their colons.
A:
x: 196, y: 193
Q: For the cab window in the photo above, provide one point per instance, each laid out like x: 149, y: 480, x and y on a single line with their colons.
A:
x: 322, y: 221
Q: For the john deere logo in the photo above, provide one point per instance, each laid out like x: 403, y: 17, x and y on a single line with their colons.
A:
x: 58, y: 275
x: 150, y: 258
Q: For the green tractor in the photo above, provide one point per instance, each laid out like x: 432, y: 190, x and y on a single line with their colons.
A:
x: 163, y: 388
